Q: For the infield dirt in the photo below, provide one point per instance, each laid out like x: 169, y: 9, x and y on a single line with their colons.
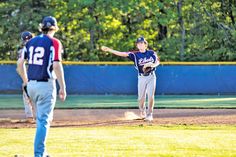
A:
x: 112, y: 117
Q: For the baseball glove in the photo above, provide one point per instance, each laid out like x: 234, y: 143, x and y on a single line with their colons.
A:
x: 25, y: 91
x: 27, y: 98
x: 26, y: 95
x: 147, y: 68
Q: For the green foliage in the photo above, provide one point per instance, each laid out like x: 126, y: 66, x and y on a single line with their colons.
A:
x: 86, y: 25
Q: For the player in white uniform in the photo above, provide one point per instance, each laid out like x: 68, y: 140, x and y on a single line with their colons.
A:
x: 145, y: 62
x: 25, y: 37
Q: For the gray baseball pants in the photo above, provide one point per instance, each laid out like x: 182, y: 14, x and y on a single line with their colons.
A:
x: 146, y: 86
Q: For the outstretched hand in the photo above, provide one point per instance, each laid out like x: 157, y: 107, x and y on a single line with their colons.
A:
x: 104, y: 48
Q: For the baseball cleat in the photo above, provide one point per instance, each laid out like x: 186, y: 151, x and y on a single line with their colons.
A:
x: 143, y: 114
x: 27, y: 120
x: 149, y: 118
x: 30, y: 120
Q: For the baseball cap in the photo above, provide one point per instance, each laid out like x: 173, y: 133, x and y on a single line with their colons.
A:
x: 141, y: 39
x: 49, y: 22
x: 26, y: 35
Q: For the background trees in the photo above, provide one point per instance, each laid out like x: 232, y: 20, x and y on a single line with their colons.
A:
x: 178, y: 30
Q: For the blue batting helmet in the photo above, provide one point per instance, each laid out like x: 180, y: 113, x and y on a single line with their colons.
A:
x: 26, y: 35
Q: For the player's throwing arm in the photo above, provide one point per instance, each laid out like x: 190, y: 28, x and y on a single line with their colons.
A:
x: 145, y: 62
x: 115, y: 52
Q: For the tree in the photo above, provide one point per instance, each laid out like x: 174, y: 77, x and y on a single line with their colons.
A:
x: 177, y: 30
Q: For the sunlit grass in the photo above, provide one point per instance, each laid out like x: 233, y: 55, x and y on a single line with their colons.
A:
x: 123, y: 141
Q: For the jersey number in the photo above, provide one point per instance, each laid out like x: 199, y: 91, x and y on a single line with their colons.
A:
x: 36, y: 55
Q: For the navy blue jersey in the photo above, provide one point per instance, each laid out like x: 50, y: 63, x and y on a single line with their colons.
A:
x: 140, y: 59
x: 41, y: 52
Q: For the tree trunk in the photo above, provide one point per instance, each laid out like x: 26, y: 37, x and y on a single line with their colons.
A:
x: 91, y: 29
x: 162, y: 29
x: 231, y: 12
x: 181, y: 23
x: 91, y: 39
x: 162, y: 32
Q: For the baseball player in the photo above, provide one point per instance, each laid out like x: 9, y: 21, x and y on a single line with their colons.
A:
x: 43, y: 54
x: 145, y: 62
x: 25, y: 37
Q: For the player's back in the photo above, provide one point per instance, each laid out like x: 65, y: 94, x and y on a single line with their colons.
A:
x: 39, y: 52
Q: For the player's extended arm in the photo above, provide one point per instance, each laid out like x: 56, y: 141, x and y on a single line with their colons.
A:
x: 118, y: 53
x: 58, y: 69
x: 21, y: 70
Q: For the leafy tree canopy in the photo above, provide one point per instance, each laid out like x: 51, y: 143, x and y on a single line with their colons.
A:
x: 178, y: 30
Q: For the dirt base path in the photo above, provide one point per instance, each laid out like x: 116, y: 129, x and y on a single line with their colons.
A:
x: 112, y: 117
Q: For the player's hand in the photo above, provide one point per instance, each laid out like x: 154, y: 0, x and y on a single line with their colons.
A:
x: 62, y: 94
x: 104, y: 48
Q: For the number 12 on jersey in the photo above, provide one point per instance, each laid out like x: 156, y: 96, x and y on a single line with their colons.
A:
x: 36, y: 55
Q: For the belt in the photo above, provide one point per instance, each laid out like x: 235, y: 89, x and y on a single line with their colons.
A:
x: 41, y: 80
x: 147, y: 74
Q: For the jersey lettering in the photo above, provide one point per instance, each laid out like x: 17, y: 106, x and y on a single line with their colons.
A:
x: 143, y: 61
x: 36, y: 55
x: 140, y: 59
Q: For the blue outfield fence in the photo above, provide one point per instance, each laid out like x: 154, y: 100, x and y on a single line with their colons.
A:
x: 122, y: 79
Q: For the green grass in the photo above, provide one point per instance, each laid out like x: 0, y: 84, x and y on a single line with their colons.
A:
x: 130, y: 101
x: 122, y: 141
